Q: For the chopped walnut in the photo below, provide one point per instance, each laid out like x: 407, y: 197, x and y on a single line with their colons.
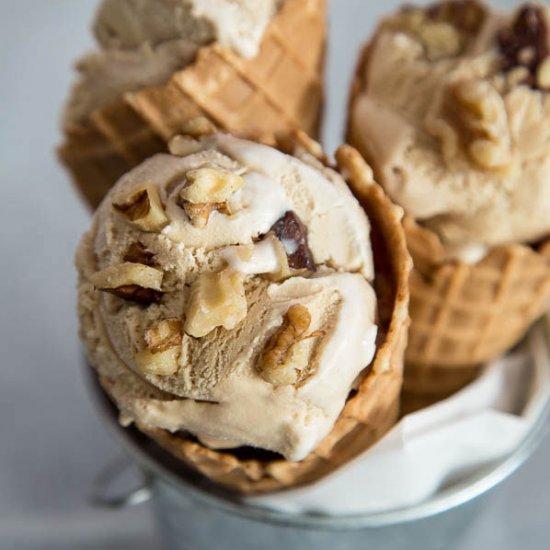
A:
x: 199, y: 214
x: 198, y: 127
x: 143, y: 208
x: 210, y: 184
x: 131, y: 281
x: 285, y: 356
x: 166, y: 334
x: 440, y: 40
x: 474, y: 118
x: 137, y: 253
x: 485, y: 123
x: 208, y: 189
x: 162, y: 350
x: 444, y: 29
x: 298, y: 142
x: 182, y: 146
x: 161, y: 363
x: 293, y: 235
x: 466, y: 15
x: 216, y: 300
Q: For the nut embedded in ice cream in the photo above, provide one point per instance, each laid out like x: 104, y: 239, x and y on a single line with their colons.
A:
x: 266, y: 313
x: 457, y: 128
x: 143, y: 42
x: 284, y: 357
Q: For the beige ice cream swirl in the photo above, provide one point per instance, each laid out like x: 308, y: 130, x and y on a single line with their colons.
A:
x: 454, y: 113
x: 143, y: 42
x: 227, y: 293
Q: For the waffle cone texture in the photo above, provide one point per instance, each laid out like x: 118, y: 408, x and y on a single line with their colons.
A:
x: 281, y: 89
x: 372, y: 409
x: 462, y: 315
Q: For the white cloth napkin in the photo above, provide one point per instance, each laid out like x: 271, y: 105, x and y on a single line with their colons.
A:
x: 437, y: 446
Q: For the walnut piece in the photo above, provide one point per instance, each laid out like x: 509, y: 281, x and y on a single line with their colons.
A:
x: 484, y: 123
x: 216, y: 300
x: 439, y: 39
x: 297, y: 142
x: 285, y: 356
x: 209, y: 184
x: 143, y: 208
x: 198, y: 127
x: 137, y: 253
x: 444, y: 29
x: 131, y: 281
x: 208, y: 189
x: 199, y: 214
x: 473, y: 119
x: 182, y: 146
x: 466, y: 15
x: 166, y: 334
x: 162, y: 350
x: 161, y: 363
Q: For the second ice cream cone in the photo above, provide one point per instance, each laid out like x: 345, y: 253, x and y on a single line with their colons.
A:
x: 280, y: 89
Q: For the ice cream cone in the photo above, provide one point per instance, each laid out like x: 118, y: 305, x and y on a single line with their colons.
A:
x: 373, y: 407
x: 280, y: 89
x: 462, y: 315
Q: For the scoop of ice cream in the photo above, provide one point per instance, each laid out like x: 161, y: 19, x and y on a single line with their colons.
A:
x: 227, y: 293
x: 237, y: 24
x: 452, y: 111
x: 143, y: 42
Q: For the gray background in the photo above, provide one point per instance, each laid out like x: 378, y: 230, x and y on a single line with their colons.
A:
x: 53, y: 446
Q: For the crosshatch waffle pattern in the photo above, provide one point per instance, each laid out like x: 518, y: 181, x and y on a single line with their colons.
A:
x: 464, y: 315
x: 281, y: 89
x: 372, y: 409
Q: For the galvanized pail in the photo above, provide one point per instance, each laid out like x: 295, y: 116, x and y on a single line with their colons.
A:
x: 193, y: 514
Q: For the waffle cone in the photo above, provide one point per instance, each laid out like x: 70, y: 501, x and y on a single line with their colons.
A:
x: 462, y: 315
x: 373, y: 408
x: 281, y: 89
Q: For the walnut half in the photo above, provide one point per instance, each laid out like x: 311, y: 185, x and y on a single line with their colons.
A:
x: 473, y: 121
x: 285, y: 356
x: 484, y: 122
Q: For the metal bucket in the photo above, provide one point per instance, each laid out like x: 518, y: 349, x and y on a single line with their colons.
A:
x: 194, y: 514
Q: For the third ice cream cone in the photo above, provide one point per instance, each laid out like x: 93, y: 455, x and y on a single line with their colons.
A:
x: 450, y: 106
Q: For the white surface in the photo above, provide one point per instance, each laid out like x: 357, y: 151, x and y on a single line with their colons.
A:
x: 53, y: 445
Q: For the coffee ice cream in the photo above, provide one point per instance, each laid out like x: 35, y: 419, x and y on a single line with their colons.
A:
x: 142, y: 43
x: 452, y: 108
x: 226, y: 292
